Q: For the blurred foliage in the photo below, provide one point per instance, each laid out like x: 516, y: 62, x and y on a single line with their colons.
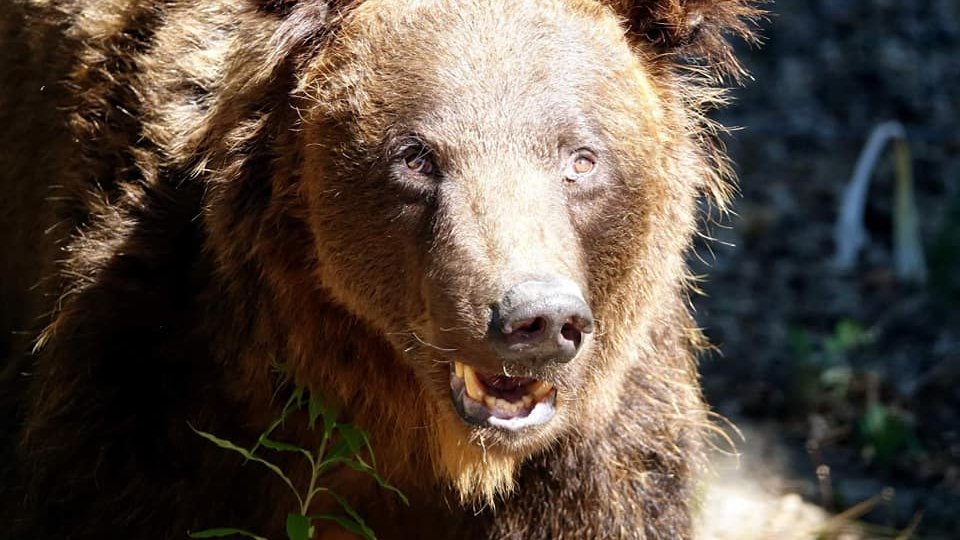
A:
x: 886, y: 433
x: 825, y: 381
x: 848, y: 336
x: 828, y: 72
x: 945, y: 258
x: 820, y: 369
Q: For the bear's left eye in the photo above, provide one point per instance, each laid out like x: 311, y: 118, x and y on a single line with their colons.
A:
x: 419, y: 160
x: 582, y: 163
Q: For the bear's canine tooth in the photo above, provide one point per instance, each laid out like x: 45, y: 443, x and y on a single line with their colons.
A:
x: 474, y: 388
x: 490, y: 401
x: 458, y: 368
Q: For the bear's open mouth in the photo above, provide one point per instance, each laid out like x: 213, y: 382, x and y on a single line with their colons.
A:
x: 500, y: 401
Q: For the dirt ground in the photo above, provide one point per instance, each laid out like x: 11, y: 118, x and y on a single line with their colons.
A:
x: 849, y: 380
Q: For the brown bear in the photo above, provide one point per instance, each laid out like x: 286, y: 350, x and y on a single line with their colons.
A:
x: 464, y: 221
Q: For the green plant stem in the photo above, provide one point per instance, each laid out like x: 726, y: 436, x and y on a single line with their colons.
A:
x: 279, y: 421
x: 312, y: 489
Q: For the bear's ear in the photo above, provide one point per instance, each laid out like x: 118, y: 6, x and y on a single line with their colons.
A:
x: 694, y: 30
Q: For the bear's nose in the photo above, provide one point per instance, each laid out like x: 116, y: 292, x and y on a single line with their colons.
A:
x: 539, y: 322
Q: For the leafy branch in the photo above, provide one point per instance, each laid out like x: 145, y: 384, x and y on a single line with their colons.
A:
x: 341, y: 443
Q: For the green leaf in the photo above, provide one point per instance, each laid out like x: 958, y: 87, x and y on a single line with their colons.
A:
x: 358, y: 440
x: 848, y: 335
x: 330, y: 462
x: 886, y: 432
x: 282, y: 446
x: 367, y: 532
x: 279, y: 446
x: 220, y: 533
x: 298, y: 527
x: 286, y: 447
x: 339, y: 451
x: 364, y: 468
x: 347, y: 524
x: 330, y: 412
x: 227, y: 445
x: 315, y: 408
x: 296, y: 400
x: 341, y: 454
x: 353, y: 437
x: 266, y: 433
x: 874, y: 420
x: 291, y: 405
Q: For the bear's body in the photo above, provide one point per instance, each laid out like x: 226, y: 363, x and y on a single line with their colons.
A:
x: 199, y: 192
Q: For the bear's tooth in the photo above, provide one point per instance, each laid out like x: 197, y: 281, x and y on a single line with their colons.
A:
x: 490, y: 401
x: 540, y: 389
x: 506, y: 406
x: 527, y: 400
x: 474, y: 388
x: 458, y: 369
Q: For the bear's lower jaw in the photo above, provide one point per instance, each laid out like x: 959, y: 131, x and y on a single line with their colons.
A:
x: 508, y: 403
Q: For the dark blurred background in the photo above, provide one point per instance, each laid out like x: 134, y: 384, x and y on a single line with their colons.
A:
x: 855, y: 373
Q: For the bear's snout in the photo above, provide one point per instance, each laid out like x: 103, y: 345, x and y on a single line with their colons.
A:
x: 539, y: 322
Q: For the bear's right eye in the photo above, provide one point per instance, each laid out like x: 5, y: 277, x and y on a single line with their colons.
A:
x: 419, y: 160
x: 582, y: 164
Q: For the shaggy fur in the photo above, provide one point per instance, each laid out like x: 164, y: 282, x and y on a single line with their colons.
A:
x: 197, y: 192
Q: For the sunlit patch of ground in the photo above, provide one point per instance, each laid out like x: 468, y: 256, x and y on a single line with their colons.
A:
x: 742, y: 511
x: 750, y: 498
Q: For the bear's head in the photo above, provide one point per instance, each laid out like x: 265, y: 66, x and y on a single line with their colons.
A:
x: 505, y: 192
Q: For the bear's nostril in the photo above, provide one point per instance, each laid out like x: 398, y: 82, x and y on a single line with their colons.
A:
x: 528, y: 329
x: 571, y: 332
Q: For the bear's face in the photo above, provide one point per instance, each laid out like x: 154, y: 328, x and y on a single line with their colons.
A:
x: 505, y: 191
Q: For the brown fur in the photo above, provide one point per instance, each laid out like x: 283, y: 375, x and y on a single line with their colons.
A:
x: 215, y: 182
